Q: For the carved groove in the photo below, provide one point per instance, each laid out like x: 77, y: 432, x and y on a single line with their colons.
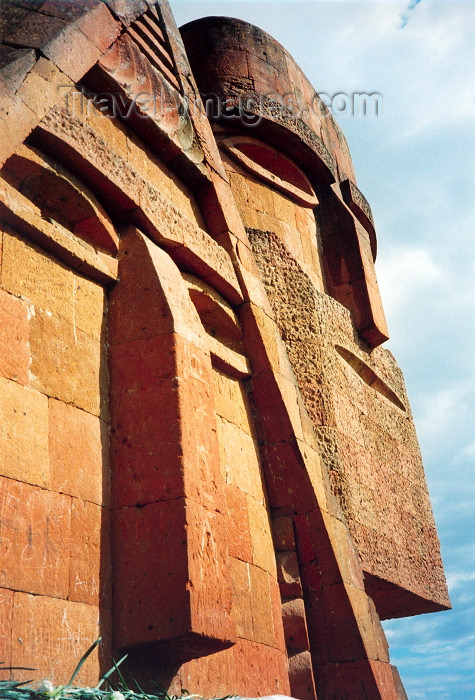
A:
x: 369, y: 377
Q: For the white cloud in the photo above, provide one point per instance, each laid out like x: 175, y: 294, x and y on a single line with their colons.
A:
x: 456, y: 579
x: 439, y: 413
x: 404, y: 273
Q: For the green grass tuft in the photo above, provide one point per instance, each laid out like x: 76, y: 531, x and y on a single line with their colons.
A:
x: 118, y: 690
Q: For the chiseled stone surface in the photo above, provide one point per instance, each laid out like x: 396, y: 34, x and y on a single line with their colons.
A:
x: 362, y: 434
x: 205, y: 457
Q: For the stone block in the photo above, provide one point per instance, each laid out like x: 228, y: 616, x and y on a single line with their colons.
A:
x: 209, y: 260
x: 362, y: 679
x: 39, y: 91
x: 109, y: 131
x: 288, y: 574
x: 90, y: 570
x: 34, y: 30
x: 241, y: 591
x: 150, y: 597
x: 220, y: 211
x: 14, y: 66
x: 12, y: 15
x: 276, y: 601
x: 79, y: 453
x: 51, y: 635
x: 302, y: 684
x: 232, y: 402
x: 366, y: 639
x: 177, y: 591
x: 283, y: 533
x: 261, y: 607
x: 288, y: 483
x: 284, y: 210
x: 263, y: 668
x: 72, y: 51
x: 262, y: 341
x: 151, y: 299
x: 240, y: 189
x: 146, y: 450
x: 203, y: 477
x: 240, y: 456
x: 156, y: 429
x: 67, y: 364
x: 248, y: 668
x: 24, y: 435
x: 35, y: 537
x: 238, y: 535
x: 127, y: 10
x: 98, y: 25
x: 67, y: 12
x: 151, y: 168
x: 6, y: 619
x: 14, y: 337
x: 90, y: 308
x: 263, y: 554
x: 286, y: 388
x: 295, y: 626
x: 291, y: 238
x: 17, y: 122
x: 211, y: 598
x: 260, y: 197
x: 324, y: 539
x: 44, y: 282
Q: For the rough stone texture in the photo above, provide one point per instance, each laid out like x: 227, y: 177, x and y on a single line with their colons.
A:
x: 79, y: 453
x: 261, y: 504
x: 56, y: 632
x: 356, y: 425
x: 24, y: 436
x: 54, y: 534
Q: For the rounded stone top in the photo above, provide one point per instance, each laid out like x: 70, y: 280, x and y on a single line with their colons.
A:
x: 244, y: 70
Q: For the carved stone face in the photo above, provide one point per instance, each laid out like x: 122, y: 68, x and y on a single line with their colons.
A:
x: 313, y: 238
x: 205, y: 455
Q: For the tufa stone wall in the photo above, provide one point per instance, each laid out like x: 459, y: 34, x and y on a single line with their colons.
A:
x: 206, y: 457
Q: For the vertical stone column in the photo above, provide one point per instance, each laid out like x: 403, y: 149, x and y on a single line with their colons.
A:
x: 172, y: 588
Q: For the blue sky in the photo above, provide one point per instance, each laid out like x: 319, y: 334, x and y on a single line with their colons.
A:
x: 415, y: 164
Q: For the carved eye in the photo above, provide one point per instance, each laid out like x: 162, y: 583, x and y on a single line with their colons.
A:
x: 272, y: 167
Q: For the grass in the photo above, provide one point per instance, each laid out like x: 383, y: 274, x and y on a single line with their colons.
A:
x: 106, y: 689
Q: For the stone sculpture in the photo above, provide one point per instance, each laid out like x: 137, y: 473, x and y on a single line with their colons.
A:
x: 207, y: 456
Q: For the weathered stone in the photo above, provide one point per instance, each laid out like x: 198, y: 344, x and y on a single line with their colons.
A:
x: 35, y: 538
x: 79, y: 453
x: 295, y: 628
x: 90, y: 567
x: 263, y: 554
x: 261, y: 606
x: 67, y: 364
x: 75, y: 624
x: 302, y: 683
x: 238, y: 532
x: 240, y: 458
x: 184, y: 593
x: 262, y: 447
x: 288, y: 574
x: 14, y: 337
x: 6, y: 622
x: 24, y: 436
x: 283, y: 533
x: 43, y: 282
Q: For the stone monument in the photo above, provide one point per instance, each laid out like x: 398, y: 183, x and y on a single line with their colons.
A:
x: 207, y: 456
